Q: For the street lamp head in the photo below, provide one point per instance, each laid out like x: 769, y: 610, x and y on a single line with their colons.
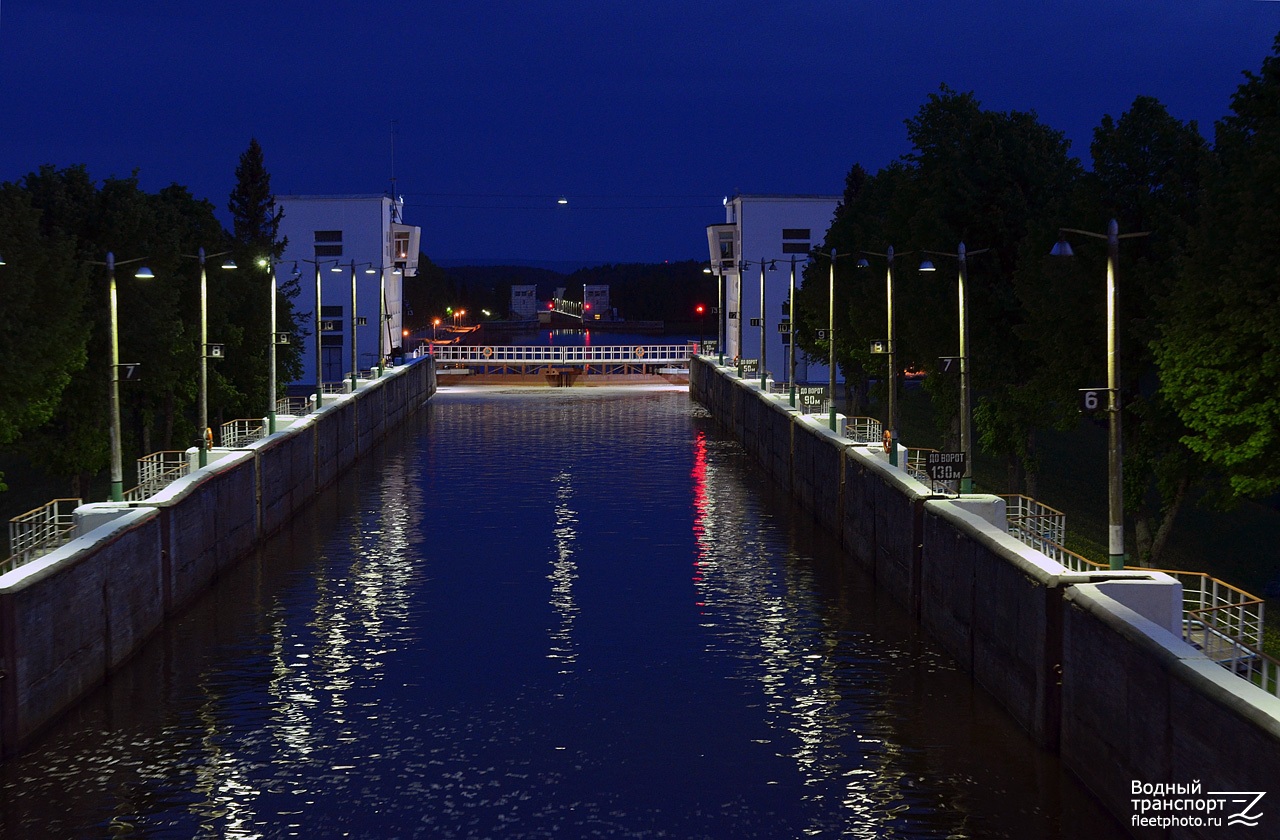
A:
x: 370, y: 270
x: 229, y: 265
x: 296, y: 272
x: 1062, y: 248
x: 862, y: 263
x: 337, y: 268
x: 705, y: 269
x: 144, y: 273
x: 1, y: 260
x: 927, y: 265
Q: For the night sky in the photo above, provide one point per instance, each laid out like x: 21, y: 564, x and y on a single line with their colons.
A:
x: 643, y: 115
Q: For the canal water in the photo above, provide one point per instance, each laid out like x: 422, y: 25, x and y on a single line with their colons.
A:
x: 545, y: 613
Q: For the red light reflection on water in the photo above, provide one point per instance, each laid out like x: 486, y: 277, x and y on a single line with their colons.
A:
x: 699, y: 475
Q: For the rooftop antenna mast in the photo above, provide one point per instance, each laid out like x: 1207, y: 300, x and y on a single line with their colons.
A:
x: 395, y: 213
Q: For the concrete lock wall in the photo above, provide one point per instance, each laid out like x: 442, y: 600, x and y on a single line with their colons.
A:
x: 71, y: 617
x: 1091, y: 665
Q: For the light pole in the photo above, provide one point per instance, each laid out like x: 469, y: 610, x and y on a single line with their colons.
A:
x: 117, y: 461
x: 966, y: 405
x: 791, y: 333
x: 384, y: 317
x: 763, y: 336
x: 270, y: 266
x: 1115, y: 453
x: 204, y: 348
x: 892, y: 424
x: 831, y: 335
x: 719, y: 309
x: 354, y: 360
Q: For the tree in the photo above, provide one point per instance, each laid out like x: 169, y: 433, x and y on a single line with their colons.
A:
x: 239, y: 385
x: 42, y: 301
x: 1219, y: 348
x: 994, y: 180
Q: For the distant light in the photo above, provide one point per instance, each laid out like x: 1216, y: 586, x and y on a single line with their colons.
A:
x: 262, y: 262
x: 562, y: 200
x: 405, y: 333
x: 586, y: 306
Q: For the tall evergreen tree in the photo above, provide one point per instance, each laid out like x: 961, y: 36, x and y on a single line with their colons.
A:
x: 239, y: 385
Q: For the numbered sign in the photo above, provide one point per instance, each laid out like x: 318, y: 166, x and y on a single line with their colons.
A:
x: 784, y: 327
x: 282, y: 338
x: 948, y: 364
x: 811, y: 397
x: 879, y: 347
x: 329, y: 326
x: 821, y: 335
x: 130, y: 372
x: 362, y: 321
x: 215, y: 351
x: 755, y: 322
x: 749, y: 366
x: 944, y: 466
x: 1093, y: 400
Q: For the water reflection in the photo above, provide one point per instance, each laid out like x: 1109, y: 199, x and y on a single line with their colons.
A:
x: 560, y: 614
x: 564, y: 571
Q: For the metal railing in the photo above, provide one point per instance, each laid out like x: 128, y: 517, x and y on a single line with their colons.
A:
x: 1034, y: 523
x: 536, y: 354
x: 915, y: 467
x: 1223, y: 621
x: 863, y: 429
x: 39, y: 531
x: 242, y: 432
x: 157, y: 471
x: 293, y: 406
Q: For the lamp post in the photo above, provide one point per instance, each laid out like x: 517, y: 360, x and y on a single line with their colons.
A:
x: 384, y: 317
x: 204, y: 348
x: 892, y: 349
x: 354, y: 359
x: 831, y: 335
x: 719, y: 309
x: 270, y: 266
x: 791, y: 334
x: 117, y: 460
x: 966, y: 404
x: 763, y: 336
x: 1115, y: 454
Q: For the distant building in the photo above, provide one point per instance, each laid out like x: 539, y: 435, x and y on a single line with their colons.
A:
x: 524, y: 303
x: 768, y: 229
x: 364, y: 231
x: 596, y: 303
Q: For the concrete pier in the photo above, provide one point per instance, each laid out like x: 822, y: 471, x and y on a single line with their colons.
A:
x: 68, y: 619
x: 1092, y: 666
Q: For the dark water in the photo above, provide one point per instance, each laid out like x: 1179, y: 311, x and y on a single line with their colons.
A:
x: 567, y: 613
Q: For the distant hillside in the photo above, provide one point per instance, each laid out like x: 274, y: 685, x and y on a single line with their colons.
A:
x: 556, y: 266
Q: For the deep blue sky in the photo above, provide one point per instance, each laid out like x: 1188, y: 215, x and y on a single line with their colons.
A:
x: 644, y: 115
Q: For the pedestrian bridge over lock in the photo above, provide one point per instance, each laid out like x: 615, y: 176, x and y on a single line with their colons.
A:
x: 603, y: 358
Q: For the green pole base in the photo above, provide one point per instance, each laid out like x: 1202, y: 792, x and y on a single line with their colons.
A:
x: 117, y: 491
x: 1117, y: 562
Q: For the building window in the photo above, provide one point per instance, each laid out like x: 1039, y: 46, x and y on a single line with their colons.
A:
x: 331, y: 311
x: 334, y: 340
x: 332, y: 243
x: 400, y: 245
x: 726, y: 246
x: 795, y: 240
